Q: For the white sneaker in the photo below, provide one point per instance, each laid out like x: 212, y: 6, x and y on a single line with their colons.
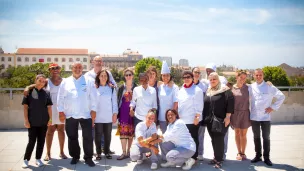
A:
x: 139, y: 161
x: 200, y: 157
x: 167, y: 164
x: 188, y: 164
x: 154, y: 166
x: 39, y: 163
x: 25, y: 164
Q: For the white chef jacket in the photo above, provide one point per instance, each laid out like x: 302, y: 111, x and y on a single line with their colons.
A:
x: 142, y: 130
x: 167, y: 96
x: 261, y: 96
x: 92, y: 75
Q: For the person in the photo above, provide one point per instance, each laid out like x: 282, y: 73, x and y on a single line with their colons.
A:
x: 177, y: 144
x: 167, y: 96
x: 37, y: 107
x: 76, y: 105
x: 240, y: 120
x: 211, y: 67
x: 201, y: 131
x: 261, y: 97
x: 190, y: 107
x: 106, y: 113
x: 52, y: 85
x: 125, y: 128
x: 145, y: 132
x: 218, y: 107
x: 143, y: 99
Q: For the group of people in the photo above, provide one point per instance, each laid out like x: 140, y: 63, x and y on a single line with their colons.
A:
x: 182, y: 115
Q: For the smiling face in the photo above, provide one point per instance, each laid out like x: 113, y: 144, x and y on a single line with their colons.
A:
x: 150, y: 118
x: 97, y: 62
x: 187, y: 78
x: 171, y: 116
x: 166, y: 78
x: 143, y: 80
x: 54, y: 71
x: 196, y: 74
x: 241, y: 79
x: 214, y: 81
x: 152, y: 76
x: 40, y: 82
x: 258, y: 76
x: 209, y: 71
x: 103, y: 77
x: 77, y: 70
x: 128, y: 76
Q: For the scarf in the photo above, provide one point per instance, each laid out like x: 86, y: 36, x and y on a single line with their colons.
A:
x: 217, y: 90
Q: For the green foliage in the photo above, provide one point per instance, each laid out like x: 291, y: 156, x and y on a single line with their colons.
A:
x: 143, y: 64
x: 176, y: 74
x: 232, y: 80
x: 296, y: 80
x: 117, y: 75
x: 276, y: 75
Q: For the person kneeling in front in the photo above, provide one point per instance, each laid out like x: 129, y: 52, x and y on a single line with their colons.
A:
x: 145, y: 132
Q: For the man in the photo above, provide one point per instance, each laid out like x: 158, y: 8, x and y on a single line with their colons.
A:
x: 261, y: 95
x: 210, y: 67
x: 76, y: 104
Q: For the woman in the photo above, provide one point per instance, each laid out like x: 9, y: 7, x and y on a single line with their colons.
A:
x: 152, y: 74
x: 177, y: 144
x: 37, y: 116
x: 167, y: 96
x: 240, y: 120
x: 106, y: 113
x: 126, y: 125
x: 190, y: 107
x: 218, y: 107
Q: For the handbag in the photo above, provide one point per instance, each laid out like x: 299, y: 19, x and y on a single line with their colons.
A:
x: 217, y: 123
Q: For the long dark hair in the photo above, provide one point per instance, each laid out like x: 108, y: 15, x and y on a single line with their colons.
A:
x: 173, y: 111
x: 97, y: 80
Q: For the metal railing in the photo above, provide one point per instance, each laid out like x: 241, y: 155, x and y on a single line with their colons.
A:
x: 10, y: 91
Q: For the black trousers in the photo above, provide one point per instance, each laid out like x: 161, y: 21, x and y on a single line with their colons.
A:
x: 257, y: 126
x: 35, y: 133
x: 193, y: 129
x: 71, y: 127
x: 105, y: 130
x: 217, y: 140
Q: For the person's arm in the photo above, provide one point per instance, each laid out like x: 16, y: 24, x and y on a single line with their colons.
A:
x: 133, y: 102
x: 112, y: 79
x: 175, y: 97
x: 49, y: 104
x: 114, y: 106
x: 50, y: 115
x: 93, y: 101
x: 229, y: 106
x: 279, y: 96
x: 62, y: 93
x: 28, y: 88
x: 154, y: 105
x: 198, y: 105
x: 26, y: 120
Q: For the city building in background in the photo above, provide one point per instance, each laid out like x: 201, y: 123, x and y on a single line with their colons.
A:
x: 7, y: 60
x: 168, y: 59
x: 184, y: 62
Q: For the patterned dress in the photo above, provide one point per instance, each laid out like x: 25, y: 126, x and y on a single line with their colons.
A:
x: 126, y: 126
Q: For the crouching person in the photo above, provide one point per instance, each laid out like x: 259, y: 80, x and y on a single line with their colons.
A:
x: 145, y: 132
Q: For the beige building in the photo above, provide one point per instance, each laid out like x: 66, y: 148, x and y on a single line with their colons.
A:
x: 7, y: 60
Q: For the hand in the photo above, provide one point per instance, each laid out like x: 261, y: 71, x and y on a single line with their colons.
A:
x: 61, y: 117
x: 25, y: 92
x: 114, y: 118
x: 154, y: 150
x: 93, y: 114
x: 269, y: 83
x: 131, y: 113
x: 268, y: 110
x: 27, y: 124
x: 196, y: 121
x: 227, y: 121
x: 93, y: 123
x: 49, y: 123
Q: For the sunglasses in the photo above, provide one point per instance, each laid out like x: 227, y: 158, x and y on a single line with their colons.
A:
x: 54, y: 68
x: 128, y: 75
x: 187, y: 77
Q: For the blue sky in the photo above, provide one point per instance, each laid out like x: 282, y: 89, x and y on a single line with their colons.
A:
x: 244, y: 34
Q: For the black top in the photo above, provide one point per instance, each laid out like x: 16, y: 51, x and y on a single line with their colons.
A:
x: 221, y: 104
x: 37, y: 102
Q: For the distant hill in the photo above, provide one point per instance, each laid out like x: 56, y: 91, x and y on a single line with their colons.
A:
x: 292, y: 71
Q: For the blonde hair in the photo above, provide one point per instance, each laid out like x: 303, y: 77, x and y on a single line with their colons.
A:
x: 240, y: 72
x: 218, y: 86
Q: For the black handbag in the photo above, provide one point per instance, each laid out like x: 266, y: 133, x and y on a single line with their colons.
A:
x: 217, y: 123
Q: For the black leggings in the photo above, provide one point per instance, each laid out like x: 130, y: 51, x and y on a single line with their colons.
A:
x: 104, y: 129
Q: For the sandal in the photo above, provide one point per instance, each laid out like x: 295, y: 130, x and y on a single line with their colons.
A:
x: 108, y: 156
x: 98, y: 156
x: 123, y: 156
x: 239, y: 156
x: 218, y: 165
x: 149, y: 154
x: 47, y: 158
x: 244, y: 157
x: 63, y: 156
x: 213, y: 161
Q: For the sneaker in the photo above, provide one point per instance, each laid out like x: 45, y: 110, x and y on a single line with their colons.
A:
x: 39, y: 163
x: 74, y: 161
x: 90, y: 162
x: 139, y: 161
x: 188, y: 164
x: 25, y: 164
x: 154, y: 166
x: 167, y: 164
x: 200, y: 157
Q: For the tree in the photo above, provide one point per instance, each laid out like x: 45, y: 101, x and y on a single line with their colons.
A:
x: 296, y: 80
x: 276, y: 75
x: 143, y: 64
x: 176, y: 74
x: 117, y: 75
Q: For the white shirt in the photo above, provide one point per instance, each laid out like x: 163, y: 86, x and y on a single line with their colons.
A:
x: 106, y: 104
x: 179, y: 135
x: 261, y: 96
x: 143, y: 100
x: 202, y: 86
x: 167, y: 96
x: 206, y: 82
x: 142, y: 130
x: 76, y: 98
x: 190, y: 103
x: 92, y: 75
x: 53, y: 89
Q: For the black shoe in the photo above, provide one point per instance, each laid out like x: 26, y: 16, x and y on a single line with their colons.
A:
x: 256, y: 159
x: 268, y: 162
x: 112, y: 152
x: 90, y: 162
x: 74, y: 161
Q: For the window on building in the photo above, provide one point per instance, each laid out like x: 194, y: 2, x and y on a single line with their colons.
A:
x: 70, y: 59
x: 56, y: 59
x: 85, y: 59
x: 77, y: 59
x: 49, y: 59
x: 63, y: 66
x: 9, y: 59
x: 27, y: 59
x: 62, y: 59
x: 2, y: 66
x: 84, y: 66
x: 34, y: 59
x: 2, y: 58
x: 9, y: 66
x: 19, y: 59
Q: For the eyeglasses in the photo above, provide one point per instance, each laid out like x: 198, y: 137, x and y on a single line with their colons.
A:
x: 54, y: 68
x: 197, y: 72
x: 187, y: 77
x: 128, y: 75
